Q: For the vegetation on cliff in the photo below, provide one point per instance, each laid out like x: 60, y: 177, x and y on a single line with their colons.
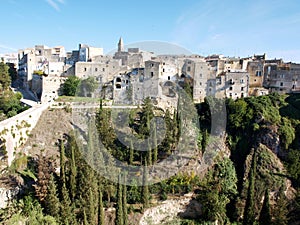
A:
x: 257, y: 184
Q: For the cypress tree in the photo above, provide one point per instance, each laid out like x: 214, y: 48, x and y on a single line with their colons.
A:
x: 73, y: 174
x: 85, y: 220
x: 149, y: 153
x: 53, y: 204
x: 265, y: 213
x: 5, y: 80
x: 249, y: 213
x: 91, y: 207
x: 280, y: 212
x: 62, y: 162
x: 66, y: 210
x: 131, y: 153
x: 124, y: 196
x: 101, y: 216
x: 119, y: 208
x: 155, y: 151
x: 145, y: 188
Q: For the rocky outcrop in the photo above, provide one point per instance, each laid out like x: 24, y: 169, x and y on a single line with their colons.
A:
x: 269, y: 137
x: 7, y: 194
x: 167, y: 211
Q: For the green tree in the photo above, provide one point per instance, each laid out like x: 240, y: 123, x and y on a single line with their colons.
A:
x: 70, y: 86
x: 87, y: 87
x: 155, y: 150
x: 119, y: 208
x: 12, y: 71
x: 286, y: 132
x: 62, y: 162
x: 10, y: 103
x: 5, y: 80
x: 265, y: 213
x: 66, y: 211
x: 101, y: 216
x: 53, y: 204
x: 131, y: 153
x: 217, y: 190
x: 73, y: 170
x: 124, y: 203
x: 149, y: 154
x: 145, y: 188
x: 280, y: 211
x: 146, y: 116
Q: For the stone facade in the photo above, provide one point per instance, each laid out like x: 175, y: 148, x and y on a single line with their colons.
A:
x: 282, y: 77
x: 236, y: 84
x: 145, y: 74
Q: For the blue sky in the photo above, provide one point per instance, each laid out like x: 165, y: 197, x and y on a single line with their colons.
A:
x: 232, y: 28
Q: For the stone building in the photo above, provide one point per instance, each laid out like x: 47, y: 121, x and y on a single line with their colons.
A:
x: 122, y: 92
x: 87, y: 53
x: 202, y: 75
x: 104, y: 70
x: 40, y: 58
x: 133, y: 57
x: 236, y: 84
x: 281, y: 77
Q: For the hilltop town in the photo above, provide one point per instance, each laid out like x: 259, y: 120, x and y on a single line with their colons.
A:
x: 241, y: 165
x: 131, y: 74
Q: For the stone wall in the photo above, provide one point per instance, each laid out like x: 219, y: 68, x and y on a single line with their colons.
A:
x: 15, y: 131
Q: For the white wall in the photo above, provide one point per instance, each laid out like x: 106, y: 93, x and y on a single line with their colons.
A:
x: 15, y: 130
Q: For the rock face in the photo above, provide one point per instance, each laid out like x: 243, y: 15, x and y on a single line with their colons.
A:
x: 270, y: 138
x: 6, y: 195
x: 171, y: 209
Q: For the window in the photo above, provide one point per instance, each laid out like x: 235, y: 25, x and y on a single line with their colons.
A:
x: 242, y: 88
x: 230, y: 88
x: 152, y: 64
x: 96, y: 69
x: 152, y: 74
x: 242, y: 81
x: 103, y: 69
x: 168, y: 77
x: 201, y: 75
x: 258, y: 73
x: 200, y: 83
x: 84, y: 69
x: 281, y: 84
x: 163, y: 70
x: 188, y: 68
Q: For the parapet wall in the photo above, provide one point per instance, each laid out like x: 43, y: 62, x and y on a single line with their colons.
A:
x: 15, y: 131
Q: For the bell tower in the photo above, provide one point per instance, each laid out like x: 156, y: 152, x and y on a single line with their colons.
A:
x: 120, y: 45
